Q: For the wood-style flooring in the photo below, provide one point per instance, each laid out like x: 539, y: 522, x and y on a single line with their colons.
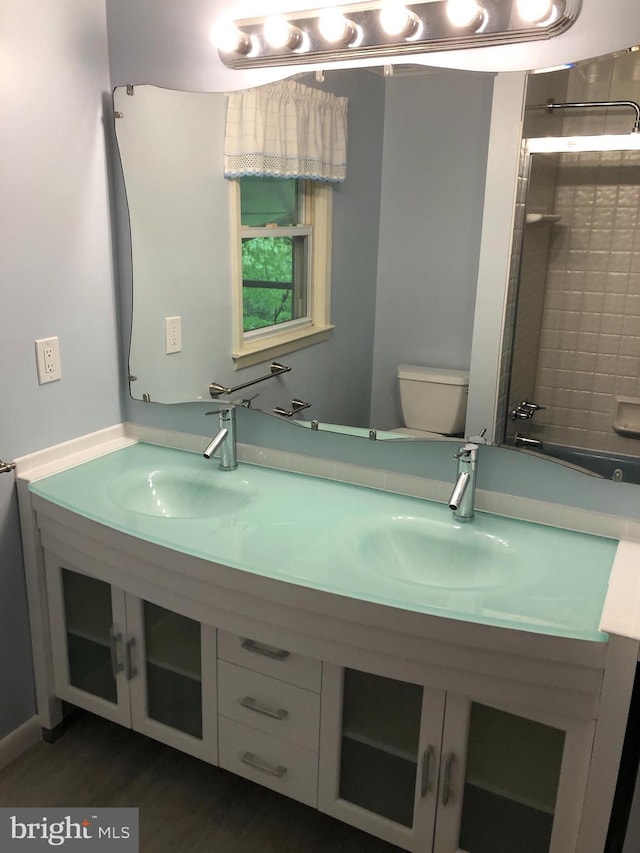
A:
x: 185, y: 804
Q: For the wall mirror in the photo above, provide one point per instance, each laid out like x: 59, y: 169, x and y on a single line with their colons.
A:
x: 405, y: 251
x: 403, y: 270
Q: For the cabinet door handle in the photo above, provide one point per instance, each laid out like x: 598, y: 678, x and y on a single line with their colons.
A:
x: 114, y: 639
x: 426, y: 766
x: 446, y: 781
x: 265, y: 651
x: 131, y: 671
x: 252, y: 760
x: 252, y: 705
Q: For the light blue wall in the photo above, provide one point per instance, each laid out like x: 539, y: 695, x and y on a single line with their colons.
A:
x: 434, y: 166
x: 345, y: 377
x: 55, y: 270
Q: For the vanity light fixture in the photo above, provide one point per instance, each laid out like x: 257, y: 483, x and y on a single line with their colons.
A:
x: 336, y: 29
x: 279, y: 33
x: 397, y: 20
x: 536, y: 11
x: 229, y: 39
x: 381, y: 29
x: 465, y: 14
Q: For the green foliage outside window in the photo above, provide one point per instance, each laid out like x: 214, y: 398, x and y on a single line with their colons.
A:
x: 266, y: 260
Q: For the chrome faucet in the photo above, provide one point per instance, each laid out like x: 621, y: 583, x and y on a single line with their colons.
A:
x: 462, y: 497
x: 224, y: 439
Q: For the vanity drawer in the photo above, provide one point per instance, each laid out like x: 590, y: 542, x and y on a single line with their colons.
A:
x: 270, y: 660
x: 265, y: 703
x: 284, y: 767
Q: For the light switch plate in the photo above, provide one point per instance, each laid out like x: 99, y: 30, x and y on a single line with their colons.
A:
x: 173, y: 334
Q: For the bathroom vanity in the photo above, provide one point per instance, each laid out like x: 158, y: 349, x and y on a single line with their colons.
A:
x: 421, y: 679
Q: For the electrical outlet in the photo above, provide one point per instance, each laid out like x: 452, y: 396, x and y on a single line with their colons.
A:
x: 48, y: 360
x: 173, y: 334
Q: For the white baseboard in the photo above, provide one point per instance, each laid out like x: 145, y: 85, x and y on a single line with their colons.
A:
x: 19, y: 740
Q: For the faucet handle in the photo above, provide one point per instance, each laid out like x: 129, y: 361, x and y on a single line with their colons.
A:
x: 227, y: 405
x: 247, y: 401
x: 478, y: 439
x: 466, y: 450
x: 223, y: 406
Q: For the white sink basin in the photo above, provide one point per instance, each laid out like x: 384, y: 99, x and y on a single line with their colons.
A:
x: 431, y: 553
x: 175, y: 493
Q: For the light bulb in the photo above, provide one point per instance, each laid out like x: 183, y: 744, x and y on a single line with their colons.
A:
x: 279, y: 33
x: 337, y: 29
x: 397, y: 20
x: 534, y: 11
x: 464, y: 13
x: 229, y: 39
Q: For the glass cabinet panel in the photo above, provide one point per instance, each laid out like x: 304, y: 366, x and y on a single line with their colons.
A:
x: 173, y: 669
x: 511, y: 784
x: 380, y: 743
x: 89, y: 620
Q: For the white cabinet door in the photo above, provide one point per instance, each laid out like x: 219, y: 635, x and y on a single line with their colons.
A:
x: 509, y: 781
x: 429, y: 770
x: 173, y: 683
x: 133, y: 662
x: 88, y: 635
x: 379, y: 755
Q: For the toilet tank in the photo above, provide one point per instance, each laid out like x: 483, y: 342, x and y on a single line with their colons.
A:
x: 433, y: 399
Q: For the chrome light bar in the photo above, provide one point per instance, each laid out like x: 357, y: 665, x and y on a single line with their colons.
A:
x: 388, y: 28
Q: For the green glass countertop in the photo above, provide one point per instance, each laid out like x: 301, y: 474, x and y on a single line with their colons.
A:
x: 347, y: 540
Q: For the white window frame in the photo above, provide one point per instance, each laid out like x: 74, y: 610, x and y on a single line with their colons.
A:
x: 274, y: 341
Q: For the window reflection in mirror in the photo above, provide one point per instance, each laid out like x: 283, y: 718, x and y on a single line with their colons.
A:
x: 274, y: 265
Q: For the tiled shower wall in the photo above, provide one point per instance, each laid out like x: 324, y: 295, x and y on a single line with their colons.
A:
x: 590, y: 333
x: 590, y: 337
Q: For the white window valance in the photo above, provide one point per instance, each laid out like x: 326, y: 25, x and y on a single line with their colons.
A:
x: 286, y: 130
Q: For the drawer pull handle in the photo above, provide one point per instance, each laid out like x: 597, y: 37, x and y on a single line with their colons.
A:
x: 252, y: 705
x: 252, y: 760
x: 265, y: 651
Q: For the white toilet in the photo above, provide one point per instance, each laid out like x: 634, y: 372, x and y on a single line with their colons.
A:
x: 433, y: 401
